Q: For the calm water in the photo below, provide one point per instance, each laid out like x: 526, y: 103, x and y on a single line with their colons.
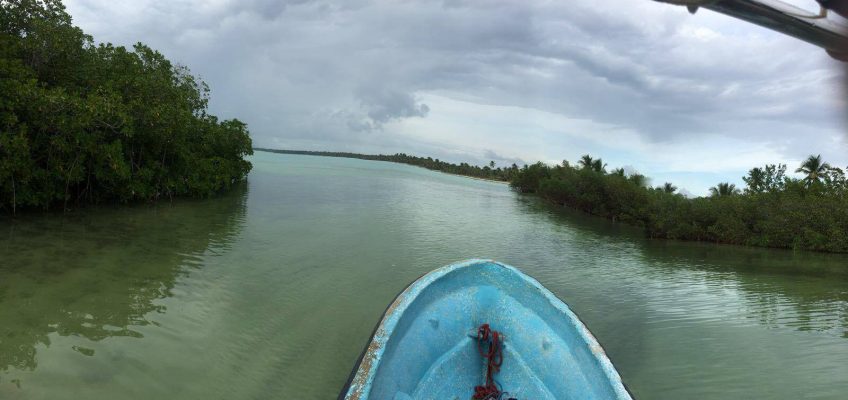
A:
x: 272, y: 291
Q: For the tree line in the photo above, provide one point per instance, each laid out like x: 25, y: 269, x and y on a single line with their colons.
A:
x: 84, y: 123
x: 773, y: 210
x: 490, y: 171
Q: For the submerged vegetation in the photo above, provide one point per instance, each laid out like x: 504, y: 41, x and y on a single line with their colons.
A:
x: 490, y: 171
x: 773, y: 210
x: 85, y: 123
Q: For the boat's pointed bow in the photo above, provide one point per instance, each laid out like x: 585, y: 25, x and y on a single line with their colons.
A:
x: 421, y: 346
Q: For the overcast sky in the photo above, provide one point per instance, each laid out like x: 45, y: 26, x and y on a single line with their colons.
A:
x: 691, y: 99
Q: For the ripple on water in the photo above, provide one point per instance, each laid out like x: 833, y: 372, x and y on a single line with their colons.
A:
x: 273, y: 292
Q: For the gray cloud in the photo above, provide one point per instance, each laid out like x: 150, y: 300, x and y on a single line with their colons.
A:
x: 344, y: 75
x: 383, y: 106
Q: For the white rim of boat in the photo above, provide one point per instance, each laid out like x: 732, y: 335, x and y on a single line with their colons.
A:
x: 359, y: 383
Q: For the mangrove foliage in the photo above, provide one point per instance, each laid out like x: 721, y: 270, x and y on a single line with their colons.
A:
x: 85, y: 123
x: 773, y: 210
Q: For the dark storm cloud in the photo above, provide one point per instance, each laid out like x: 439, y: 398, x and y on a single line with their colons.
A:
x: 383, y: 105
x: 343, y: 75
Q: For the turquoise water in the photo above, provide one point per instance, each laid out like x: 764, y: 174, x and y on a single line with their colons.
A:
x: 273, y: 290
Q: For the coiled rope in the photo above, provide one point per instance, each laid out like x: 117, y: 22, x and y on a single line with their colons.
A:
x: 490, y: 345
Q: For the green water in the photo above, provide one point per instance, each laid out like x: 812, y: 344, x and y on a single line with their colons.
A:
x: 273, y: 290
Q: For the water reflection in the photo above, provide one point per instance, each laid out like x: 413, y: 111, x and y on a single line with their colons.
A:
x: 98, y: 274
x: 801, y: 291
x: 290, y: 289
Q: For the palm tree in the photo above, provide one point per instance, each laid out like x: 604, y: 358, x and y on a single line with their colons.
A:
x: 586, y: 161
x: 814, y: 168
x: 618, y: 171
x: 723, y: 189
x: 492, y: 164
x: 599, y: 166
x: 669, y: 188
x: 756, y: 180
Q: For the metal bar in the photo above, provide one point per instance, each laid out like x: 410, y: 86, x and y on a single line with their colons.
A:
x: 781, y: 17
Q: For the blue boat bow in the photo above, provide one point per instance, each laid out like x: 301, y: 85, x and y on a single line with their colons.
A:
x: 423, y: 349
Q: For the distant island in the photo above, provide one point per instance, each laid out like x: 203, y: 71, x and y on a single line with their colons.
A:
x: 773, y: 210
x: 84, y: 123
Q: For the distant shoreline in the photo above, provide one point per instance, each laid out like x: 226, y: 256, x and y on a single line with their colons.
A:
x: 476, y: 178
x: 465, y: 170
x: 772, y: 211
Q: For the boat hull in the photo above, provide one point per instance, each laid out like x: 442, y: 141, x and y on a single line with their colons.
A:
x: 422, y: 349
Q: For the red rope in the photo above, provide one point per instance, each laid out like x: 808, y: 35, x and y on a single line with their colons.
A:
x: 494, y: 359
